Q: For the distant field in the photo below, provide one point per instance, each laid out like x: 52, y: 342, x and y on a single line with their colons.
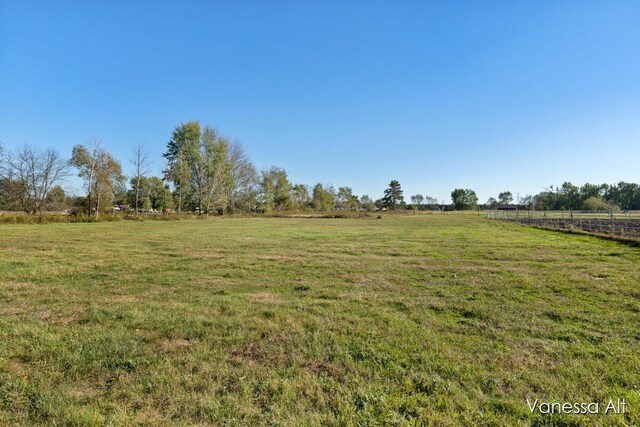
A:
x: 425, y: 319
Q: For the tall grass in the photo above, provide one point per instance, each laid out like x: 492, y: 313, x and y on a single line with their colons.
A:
x: 47, y: 218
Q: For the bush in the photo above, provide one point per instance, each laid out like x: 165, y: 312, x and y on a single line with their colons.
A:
x: 7, y: 219
x: 79, y: 217
x: 599, y: 204
x: 23, y: 218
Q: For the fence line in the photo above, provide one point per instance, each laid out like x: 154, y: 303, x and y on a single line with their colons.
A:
x: 621, y: 223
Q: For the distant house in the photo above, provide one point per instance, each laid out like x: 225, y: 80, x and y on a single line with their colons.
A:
x: 119, y: 208
x: 507, y: 207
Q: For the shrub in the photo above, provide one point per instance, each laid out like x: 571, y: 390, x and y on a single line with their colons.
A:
x: 599, y: 204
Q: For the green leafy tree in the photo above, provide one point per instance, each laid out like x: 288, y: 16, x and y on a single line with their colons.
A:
x: 139, y: 195
x: 215, y: 170
x: 160, y: 196
x: 300, y: 198
x: 353, y: 203
x: 200, y: 168
x: 181, y: 148
x: 458, y: 196
x: 464, y: 199
x: 8, y: 195
x: 547, y: 200
x: 588, y: 191
x: 345, y: 199
x: 505, y: 198
x: 367, y: 203
x: 569, y: 197
x: 275, y: 190
x: 392, y: 196
x: 624, y: 194
x: 56, y: 199
x: 471, y: 199
x: 120, y: 193
x: 101, y: 172
x: 324, y: 198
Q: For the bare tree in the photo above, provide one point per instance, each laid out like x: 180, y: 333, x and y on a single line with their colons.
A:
x: 141, y: 165
x: 180, y: 154
x: 243, y: 178
x: 416, y: 201
x: 2, y: 162
x: 6, y: 185
x: 84, y: 158
x: 34, y: 174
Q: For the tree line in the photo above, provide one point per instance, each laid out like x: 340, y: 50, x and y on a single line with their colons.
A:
x: 588, y: 197
x: 206, y: 172
x: 620, y: 196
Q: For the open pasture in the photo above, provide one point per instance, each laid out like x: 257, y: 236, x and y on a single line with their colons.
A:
x: 423, y: 319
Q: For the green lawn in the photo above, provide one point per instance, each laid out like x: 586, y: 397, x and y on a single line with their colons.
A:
x: 427, y: 319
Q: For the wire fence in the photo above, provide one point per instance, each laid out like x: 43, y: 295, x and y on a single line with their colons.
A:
x: 620, y: 224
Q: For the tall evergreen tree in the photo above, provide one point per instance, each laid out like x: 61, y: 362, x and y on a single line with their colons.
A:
x: 392, y: 195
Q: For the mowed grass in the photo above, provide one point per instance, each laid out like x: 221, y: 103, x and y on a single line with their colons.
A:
x: 425, y: 319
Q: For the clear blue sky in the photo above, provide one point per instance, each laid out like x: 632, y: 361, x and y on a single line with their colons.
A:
x: 486, y: 95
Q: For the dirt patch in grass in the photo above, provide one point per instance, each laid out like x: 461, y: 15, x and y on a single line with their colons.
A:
x: 267, y: 297
x: 169, y: 345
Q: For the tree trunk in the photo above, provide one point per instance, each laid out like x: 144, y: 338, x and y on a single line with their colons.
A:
x: 137, y: 194
x: 91, y: 173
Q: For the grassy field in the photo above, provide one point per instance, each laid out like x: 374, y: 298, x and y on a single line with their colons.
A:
x: 427, y: 319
